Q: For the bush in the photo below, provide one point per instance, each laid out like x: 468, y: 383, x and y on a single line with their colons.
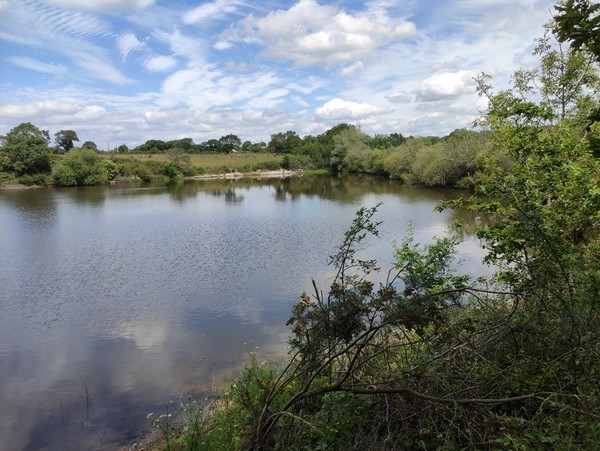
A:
x: 80, y: 167
x: 34, y: 179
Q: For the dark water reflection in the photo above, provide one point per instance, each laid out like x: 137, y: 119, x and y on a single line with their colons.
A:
x: 114, y: 299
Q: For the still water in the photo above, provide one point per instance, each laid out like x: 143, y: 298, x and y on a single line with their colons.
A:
x: 114, y: 299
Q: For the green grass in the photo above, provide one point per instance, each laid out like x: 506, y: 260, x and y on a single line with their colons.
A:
x: 215, y: 162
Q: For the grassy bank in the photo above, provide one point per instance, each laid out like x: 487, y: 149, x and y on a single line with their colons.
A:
x: 210, y: 163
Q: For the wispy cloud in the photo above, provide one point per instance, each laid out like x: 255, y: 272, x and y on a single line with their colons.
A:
x: 101, y: 5
x: 160, y: 63
x: 36, y: 65
x: 127, y: 43
x: 132, y: 70
x: 210, y: 11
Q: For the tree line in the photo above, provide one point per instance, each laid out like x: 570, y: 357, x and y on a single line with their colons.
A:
x: 26, y: 154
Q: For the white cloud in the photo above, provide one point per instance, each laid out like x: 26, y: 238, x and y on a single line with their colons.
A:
x: 100, y: 68
x: 210, y: 11
x: 191, y: 48
x: 127, y: 43
x: 400, y: 97
x: 160, y: 63
x: 447, y: 84
x: 101, y: 5
x: 36, y: 65
x: 339, y: 109
x: 351, y: 68
x: 455, y: 63
x: 309, y: 33
x: 33, y: 109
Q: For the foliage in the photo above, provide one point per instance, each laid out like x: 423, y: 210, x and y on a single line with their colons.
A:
x: 25, y: 150
x: 89, y: 145
x: 578, y: 21
x: 80, y: 167
x: 427, y: 357
x: 64, y: 139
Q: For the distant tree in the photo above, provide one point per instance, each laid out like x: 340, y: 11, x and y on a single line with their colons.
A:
x: 151, y: 146
x: 122, y: 148
x: 230, y: 142
x: 253, y: 147
x: 185, y: 144
x: 64, y: 139
x: 25, y: 150
x: 396, y: 139
x: 212, y: 145
x: 89, y: 145
x: 286, y: 142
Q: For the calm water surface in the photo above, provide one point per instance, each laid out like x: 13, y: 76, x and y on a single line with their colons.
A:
x: 114, y: 299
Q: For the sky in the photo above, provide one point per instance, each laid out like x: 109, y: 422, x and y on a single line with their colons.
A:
x: 126, y: 71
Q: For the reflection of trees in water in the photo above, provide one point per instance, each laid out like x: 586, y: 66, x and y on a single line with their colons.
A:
x: 231, y: 196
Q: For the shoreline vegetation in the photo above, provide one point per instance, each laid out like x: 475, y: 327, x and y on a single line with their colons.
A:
x: 26, y: 158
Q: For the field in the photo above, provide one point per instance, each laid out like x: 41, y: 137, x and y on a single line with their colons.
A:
x: 211, y: 162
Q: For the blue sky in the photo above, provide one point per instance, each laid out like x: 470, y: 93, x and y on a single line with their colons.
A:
x: 125, y: 71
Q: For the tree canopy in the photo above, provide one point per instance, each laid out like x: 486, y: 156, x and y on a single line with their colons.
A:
x: 25, y: 150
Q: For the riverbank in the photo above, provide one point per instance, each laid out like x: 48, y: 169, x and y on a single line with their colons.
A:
x: 280, y: 173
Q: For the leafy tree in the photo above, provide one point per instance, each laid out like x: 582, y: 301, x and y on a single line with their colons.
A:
x: 81, y: 167
x: 122, y: 148
x: 89, y: 145
x: 152, y: 146
x: 25, y: 150
x: 230, y: 142
x: 64, y: 139
x: 286, y: 142
x: 578, y: 21
x: 212, y: 145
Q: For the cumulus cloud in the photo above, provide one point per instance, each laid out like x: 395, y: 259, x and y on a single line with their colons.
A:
x: 339, y: 109
x: 310, y: 33
x: 33, y: 109
x: 447, y: 84
x: 160, y: 63
x: 127, y: 43
x: 101, y: 5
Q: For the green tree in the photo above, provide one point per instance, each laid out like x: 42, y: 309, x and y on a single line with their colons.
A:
x: 25, y: 150
x: 578, y: 22
x: 230, y: 143
x: 64, y: 139
x: 287, y: 142
x: 89, y: 145
x: 81, y: 167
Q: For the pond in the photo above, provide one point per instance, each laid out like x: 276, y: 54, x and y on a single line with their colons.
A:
x: 114, y: 299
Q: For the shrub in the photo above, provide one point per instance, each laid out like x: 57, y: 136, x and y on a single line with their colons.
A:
x: 80, y: 167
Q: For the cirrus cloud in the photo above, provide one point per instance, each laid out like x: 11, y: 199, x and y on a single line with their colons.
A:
x: 101, y: 5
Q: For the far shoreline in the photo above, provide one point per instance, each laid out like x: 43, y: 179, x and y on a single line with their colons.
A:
x: 280, y: 173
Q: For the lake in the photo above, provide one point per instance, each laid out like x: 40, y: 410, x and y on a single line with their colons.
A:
x: 114, y: 299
